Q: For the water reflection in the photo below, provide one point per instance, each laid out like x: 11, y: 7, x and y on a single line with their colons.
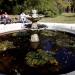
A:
x: 63, y: 54
x: 47, y: 44
x: 2, y: 74
x: 66, y: 58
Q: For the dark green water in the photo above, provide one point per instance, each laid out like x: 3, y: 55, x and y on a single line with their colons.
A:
x: 63, y: 44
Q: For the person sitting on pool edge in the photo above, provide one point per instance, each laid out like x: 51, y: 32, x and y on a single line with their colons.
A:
x: 5, y: 18
x: 23, y: 17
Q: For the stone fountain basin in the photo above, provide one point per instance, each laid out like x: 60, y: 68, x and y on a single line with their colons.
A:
x: 40, y: 26
x: 35, y: 19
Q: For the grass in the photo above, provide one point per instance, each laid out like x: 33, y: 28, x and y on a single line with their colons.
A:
x: 63, y: 18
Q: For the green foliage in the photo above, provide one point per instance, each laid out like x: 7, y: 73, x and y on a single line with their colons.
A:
x: 38, y: 58
x: 49, y: 14
x: 46, y: 7
x: 4, y: 45
x: 17, y: 9
x: 73, y: 3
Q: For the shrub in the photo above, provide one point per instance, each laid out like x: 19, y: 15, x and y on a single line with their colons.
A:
x: 17, y: 9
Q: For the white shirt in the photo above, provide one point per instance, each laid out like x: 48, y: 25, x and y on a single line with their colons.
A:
x: 22, y: 17
x: 6, y: 16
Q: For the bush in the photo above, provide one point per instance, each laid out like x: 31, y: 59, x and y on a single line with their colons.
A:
x: 17, y: 9
x: 49, y: 14
x: 27, y: 11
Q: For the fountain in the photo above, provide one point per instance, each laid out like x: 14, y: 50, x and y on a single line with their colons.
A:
x: 34, y: 37
x: 49, y: 40
x: 34, y: 18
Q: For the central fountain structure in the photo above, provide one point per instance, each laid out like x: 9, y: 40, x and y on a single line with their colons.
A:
x: 34, y: 37
x: 34, y: 18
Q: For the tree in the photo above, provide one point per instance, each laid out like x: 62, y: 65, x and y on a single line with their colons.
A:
x: 65, y: 4
x: 73, y: 5
x: 46, y: 7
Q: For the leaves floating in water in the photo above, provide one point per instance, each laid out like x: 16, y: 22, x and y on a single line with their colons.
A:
x: 39, y: 57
